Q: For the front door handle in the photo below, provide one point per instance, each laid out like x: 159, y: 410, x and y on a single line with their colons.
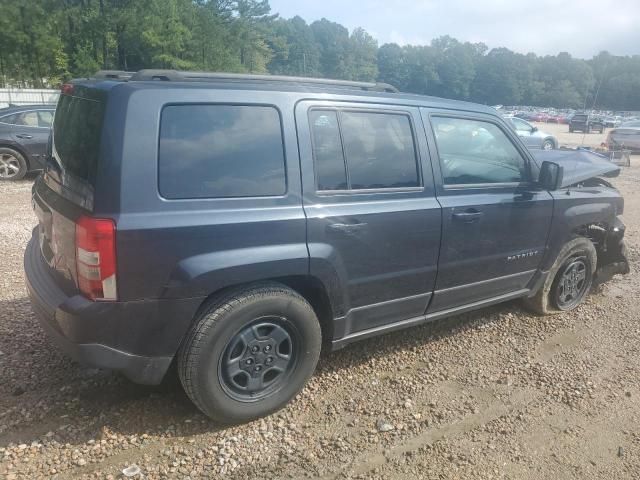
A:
x: 25, y: 136
x: 468, y: 216
x: 346, y: 227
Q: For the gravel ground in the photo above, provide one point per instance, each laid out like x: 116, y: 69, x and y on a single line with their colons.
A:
x: 492, y: 394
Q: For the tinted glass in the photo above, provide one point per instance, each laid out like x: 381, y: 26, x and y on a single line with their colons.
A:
x: 10, y: 119
x: 379, y: 149
x: 77, y: 129
x: 473, y: 151
x: 45, y: 118
x: 220, y: 151
x: 327, y: 150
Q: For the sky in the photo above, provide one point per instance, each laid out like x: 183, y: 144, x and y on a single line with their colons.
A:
x: 581, y: 27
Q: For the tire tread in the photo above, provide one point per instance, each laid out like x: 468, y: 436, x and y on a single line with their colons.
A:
x: 210, y: 315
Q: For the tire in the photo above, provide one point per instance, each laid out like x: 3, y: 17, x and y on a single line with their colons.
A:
x: 548, y: 145
x: 13, y: 165
x: 225, y: 357
x: 546, y: 300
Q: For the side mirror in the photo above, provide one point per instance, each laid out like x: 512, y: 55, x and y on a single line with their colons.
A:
x: 534, y: 129
x: 550, y: 176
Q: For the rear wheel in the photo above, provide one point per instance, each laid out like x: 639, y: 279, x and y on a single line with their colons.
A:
x: 13, y: 165
x: 569, y: 279
x: 250, y: 353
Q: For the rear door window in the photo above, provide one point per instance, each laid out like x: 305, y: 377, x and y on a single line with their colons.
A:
x: 378, y: 147
x: 330, y: 168
x: 218, y: 151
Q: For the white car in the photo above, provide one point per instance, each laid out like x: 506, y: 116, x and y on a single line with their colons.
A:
x: 531, y: 135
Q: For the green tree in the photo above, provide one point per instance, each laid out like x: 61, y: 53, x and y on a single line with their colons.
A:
x: 44, y: 42
x: 392, y: 65
x: 362, y: 56
x: 333, y: 42
x: 298, y: 53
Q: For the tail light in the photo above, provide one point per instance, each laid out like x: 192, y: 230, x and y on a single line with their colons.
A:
x: 96, y: 257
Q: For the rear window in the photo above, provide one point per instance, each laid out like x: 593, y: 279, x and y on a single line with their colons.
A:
x: 580, y: 118
x: 218, y: 151
x: 77, y: 128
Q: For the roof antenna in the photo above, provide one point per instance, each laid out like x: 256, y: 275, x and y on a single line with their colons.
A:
x: 595, y: 99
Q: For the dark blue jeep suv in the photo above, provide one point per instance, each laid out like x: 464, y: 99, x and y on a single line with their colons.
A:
x: 233, y: 223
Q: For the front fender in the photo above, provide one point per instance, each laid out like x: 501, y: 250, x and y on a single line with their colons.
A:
x: 574, y: 209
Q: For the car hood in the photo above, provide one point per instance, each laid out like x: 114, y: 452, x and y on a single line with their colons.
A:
x: 578, y: 165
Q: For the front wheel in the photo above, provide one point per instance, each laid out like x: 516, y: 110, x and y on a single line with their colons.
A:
x: 568, y: 281
x: 249, y: 353
x: 548, y: 145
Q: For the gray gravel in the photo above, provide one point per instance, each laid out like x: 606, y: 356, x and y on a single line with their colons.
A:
x: 492, y: 394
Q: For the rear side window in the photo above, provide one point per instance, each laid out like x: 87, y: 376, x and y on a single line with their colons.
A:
x: 77, y: 129
x: 476, y: 152
x: 217, y: 151
x: 379, y: 150
x: 9, y: 119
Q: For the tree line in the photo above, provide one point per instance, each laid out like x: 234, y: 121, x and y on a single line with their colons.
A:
x: 45, y: 42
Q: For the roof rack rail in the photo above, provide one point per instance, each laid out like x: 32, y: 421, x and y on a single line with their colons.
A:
x: 184, y: 76
x: 114, y: 74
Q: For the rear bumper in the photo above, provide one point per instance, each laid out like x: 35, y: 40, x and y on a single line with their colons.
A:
x: 138, y: 339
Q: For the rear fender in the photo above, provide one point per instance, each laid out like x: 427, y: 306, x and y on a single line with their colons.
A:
x: 202, y: 275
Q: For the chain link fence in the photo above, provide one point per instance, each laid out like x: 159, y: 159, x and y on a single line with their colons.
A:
x: 27, y: 96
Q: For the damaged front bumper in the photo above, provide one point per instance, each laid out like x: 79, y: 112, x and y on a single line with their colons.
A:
x: 612, y: 258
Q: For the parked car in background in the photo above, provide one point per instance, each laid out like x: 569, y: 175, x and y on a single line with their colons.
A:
x: 24, y: 134
x: 539, y: 117
x: 532, y: 136
x: 626, y: 137
x: 586, y: 123
x: 612, y: 122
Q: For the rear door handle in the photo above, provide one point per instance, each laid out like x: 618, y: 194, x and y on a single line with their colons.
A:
x: 346, y: 227
x: 468, y: 216
x: 24, y: 135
